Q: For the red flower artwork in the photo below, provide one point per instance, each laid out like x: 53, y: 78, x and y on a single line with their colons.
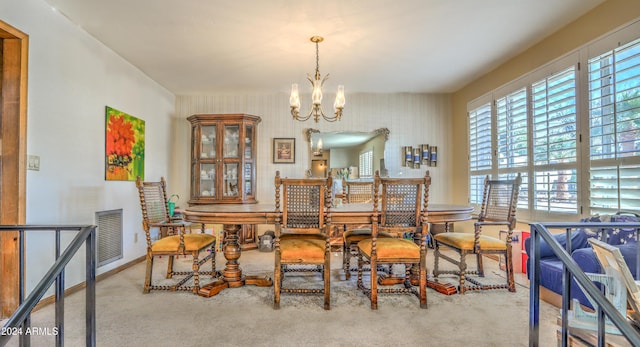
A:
x: 120, y: 140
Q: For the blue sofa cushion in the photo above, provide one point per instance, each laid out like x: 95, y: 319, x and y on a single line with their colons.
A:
x: 578, y: 240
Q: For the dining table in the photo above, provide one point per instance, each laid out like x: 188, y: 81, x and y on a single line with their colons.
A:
x: 233, y: 216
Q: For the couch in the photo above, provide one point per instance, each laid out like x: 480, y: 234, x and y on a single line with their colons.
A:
x: 582, y: 253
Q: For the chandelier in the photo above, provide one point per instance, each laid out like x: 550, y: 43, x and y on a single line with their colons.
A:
x: 316, y: 95
x: 318, y: 150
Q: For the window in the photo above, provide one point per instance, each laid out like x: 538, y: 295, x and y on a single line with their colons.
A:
x: 366, y: 164
x: 512, y: 130
x: 555, y: 142
x: 614, y: 123
x: 533, y: 126
x: 480, y: 149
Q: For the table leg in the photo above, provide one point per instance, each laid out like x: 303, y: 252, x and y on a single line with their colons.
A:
x: 232, y: 274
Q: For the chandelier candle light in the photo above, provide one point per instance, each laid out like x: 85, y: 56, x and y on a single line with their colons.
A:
x: 316, y: 95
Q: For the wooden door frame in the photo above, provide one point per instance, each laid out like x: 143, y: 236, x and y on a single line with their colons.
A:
x: 13, y: 148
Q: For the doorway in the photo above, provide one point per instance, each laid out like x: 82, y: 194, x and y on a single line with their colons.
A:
x: 319, y: 168
x: 13, y: 153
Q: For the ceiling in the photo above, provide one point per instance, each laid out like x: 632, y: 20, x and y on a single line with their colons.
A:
x: 195, y: 47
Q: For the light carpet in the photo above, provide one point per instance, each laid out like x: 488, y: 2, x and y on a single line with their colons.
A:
x: 244, y: 316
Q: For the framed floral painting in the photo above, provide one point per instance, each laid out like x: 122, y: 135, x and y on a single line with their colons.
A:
x: 124, y: 146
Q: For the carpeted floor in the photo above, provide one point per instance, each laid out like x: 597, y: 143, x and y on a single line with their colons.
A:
x: 245, y: 317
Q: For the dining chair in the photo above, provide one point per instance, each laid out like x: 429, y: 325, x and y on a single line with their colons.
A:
x: 499, y: 204
x: 302, y: 234
x: 174, y: 240
x: 403, y: 210
x: 354, y: 192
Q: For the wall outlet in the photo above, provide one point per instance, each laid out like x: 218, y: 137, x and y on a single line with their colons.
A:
x: 135, y: 238
x: 33, y: 162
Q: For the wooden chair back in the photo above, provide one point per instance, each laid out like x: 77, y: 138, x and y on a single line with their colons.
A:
x: 357, y: 191
x: 500, y: 201
x: 304, y: 202
x: 403, y: 202
x: 153, y: 201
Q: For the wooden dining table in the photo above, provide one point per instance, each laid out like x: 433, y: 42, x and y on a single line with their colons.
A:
x: 233, y: 216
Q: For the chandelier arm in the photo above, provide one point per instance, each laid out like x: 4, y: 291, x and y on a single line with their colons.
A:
x: 296, y: 115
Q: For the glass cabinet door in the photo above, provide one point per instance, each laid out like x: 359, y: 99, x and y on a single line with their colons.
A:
x: 231, y: 143
x: 248, y: 171
x: 208, y: 142
x: 230, y: 188
x: 208, y: 180
x: 248, y: 142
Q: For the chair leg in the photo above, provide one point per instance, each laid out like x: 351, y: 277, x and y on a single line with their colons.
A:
x: 327, y: 280
x: 436, y: 258
x: 149, y: 273
x: 277, y: 281
x: 509, y: 267
x: 480, y: 264
x: 360, y: 265
x: 463, y: 270
x: 196, y: 272
x: 213, y: 260
x: 346, y: 259
x: 170, y: 266
x: 374, y: 282
x: 423, y: 281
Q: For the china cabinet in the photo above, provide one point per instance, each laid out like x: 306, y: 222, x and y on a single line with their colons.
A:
x: 223, y: 162
x: 223, y: 158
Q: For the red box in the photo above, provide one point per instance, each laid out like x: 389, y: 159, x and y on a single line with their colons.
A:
x: 525, y: 235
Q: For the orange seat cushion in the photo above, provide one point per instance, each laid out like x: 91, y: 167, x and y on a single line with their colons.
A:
x: 465, y: 241
x: 301, y: 236
x: 389, y: 249
x: 357, y: 235
x: 298, y: 250
x: 192, y: 242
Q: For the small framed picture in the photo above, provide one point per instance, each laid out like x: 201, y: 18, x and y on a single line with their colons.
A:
x: 284, y: 150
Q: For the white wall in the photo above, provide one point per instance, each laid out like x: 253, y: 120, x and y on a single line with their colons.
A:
x: 412, y: 119
x: 72, y: 77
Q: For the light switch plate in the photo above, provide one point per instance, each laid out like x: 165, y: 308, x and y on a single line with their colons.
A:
x: 33, y: 162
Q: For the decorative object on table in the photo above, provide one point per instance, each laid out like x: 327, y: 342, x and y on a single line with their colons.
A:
x: 172, y: 204
x: 124, y: 146
x: 284, y: 150
x: 404, y: 203
x: 223, y: 158
x: 316, y: 82
x: 175, y: 241
x: 499, y: 203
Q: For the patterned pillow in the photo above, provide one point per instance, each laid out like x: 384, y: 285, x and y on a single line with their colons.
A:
x: 614, y: 236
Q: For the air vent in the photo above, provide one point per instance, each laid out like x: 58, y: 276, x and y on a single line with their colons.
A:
x: 109, y: 236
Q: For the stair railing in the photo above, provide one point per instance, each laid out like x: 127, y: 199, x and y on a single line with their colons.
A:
x: 20, y: 320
